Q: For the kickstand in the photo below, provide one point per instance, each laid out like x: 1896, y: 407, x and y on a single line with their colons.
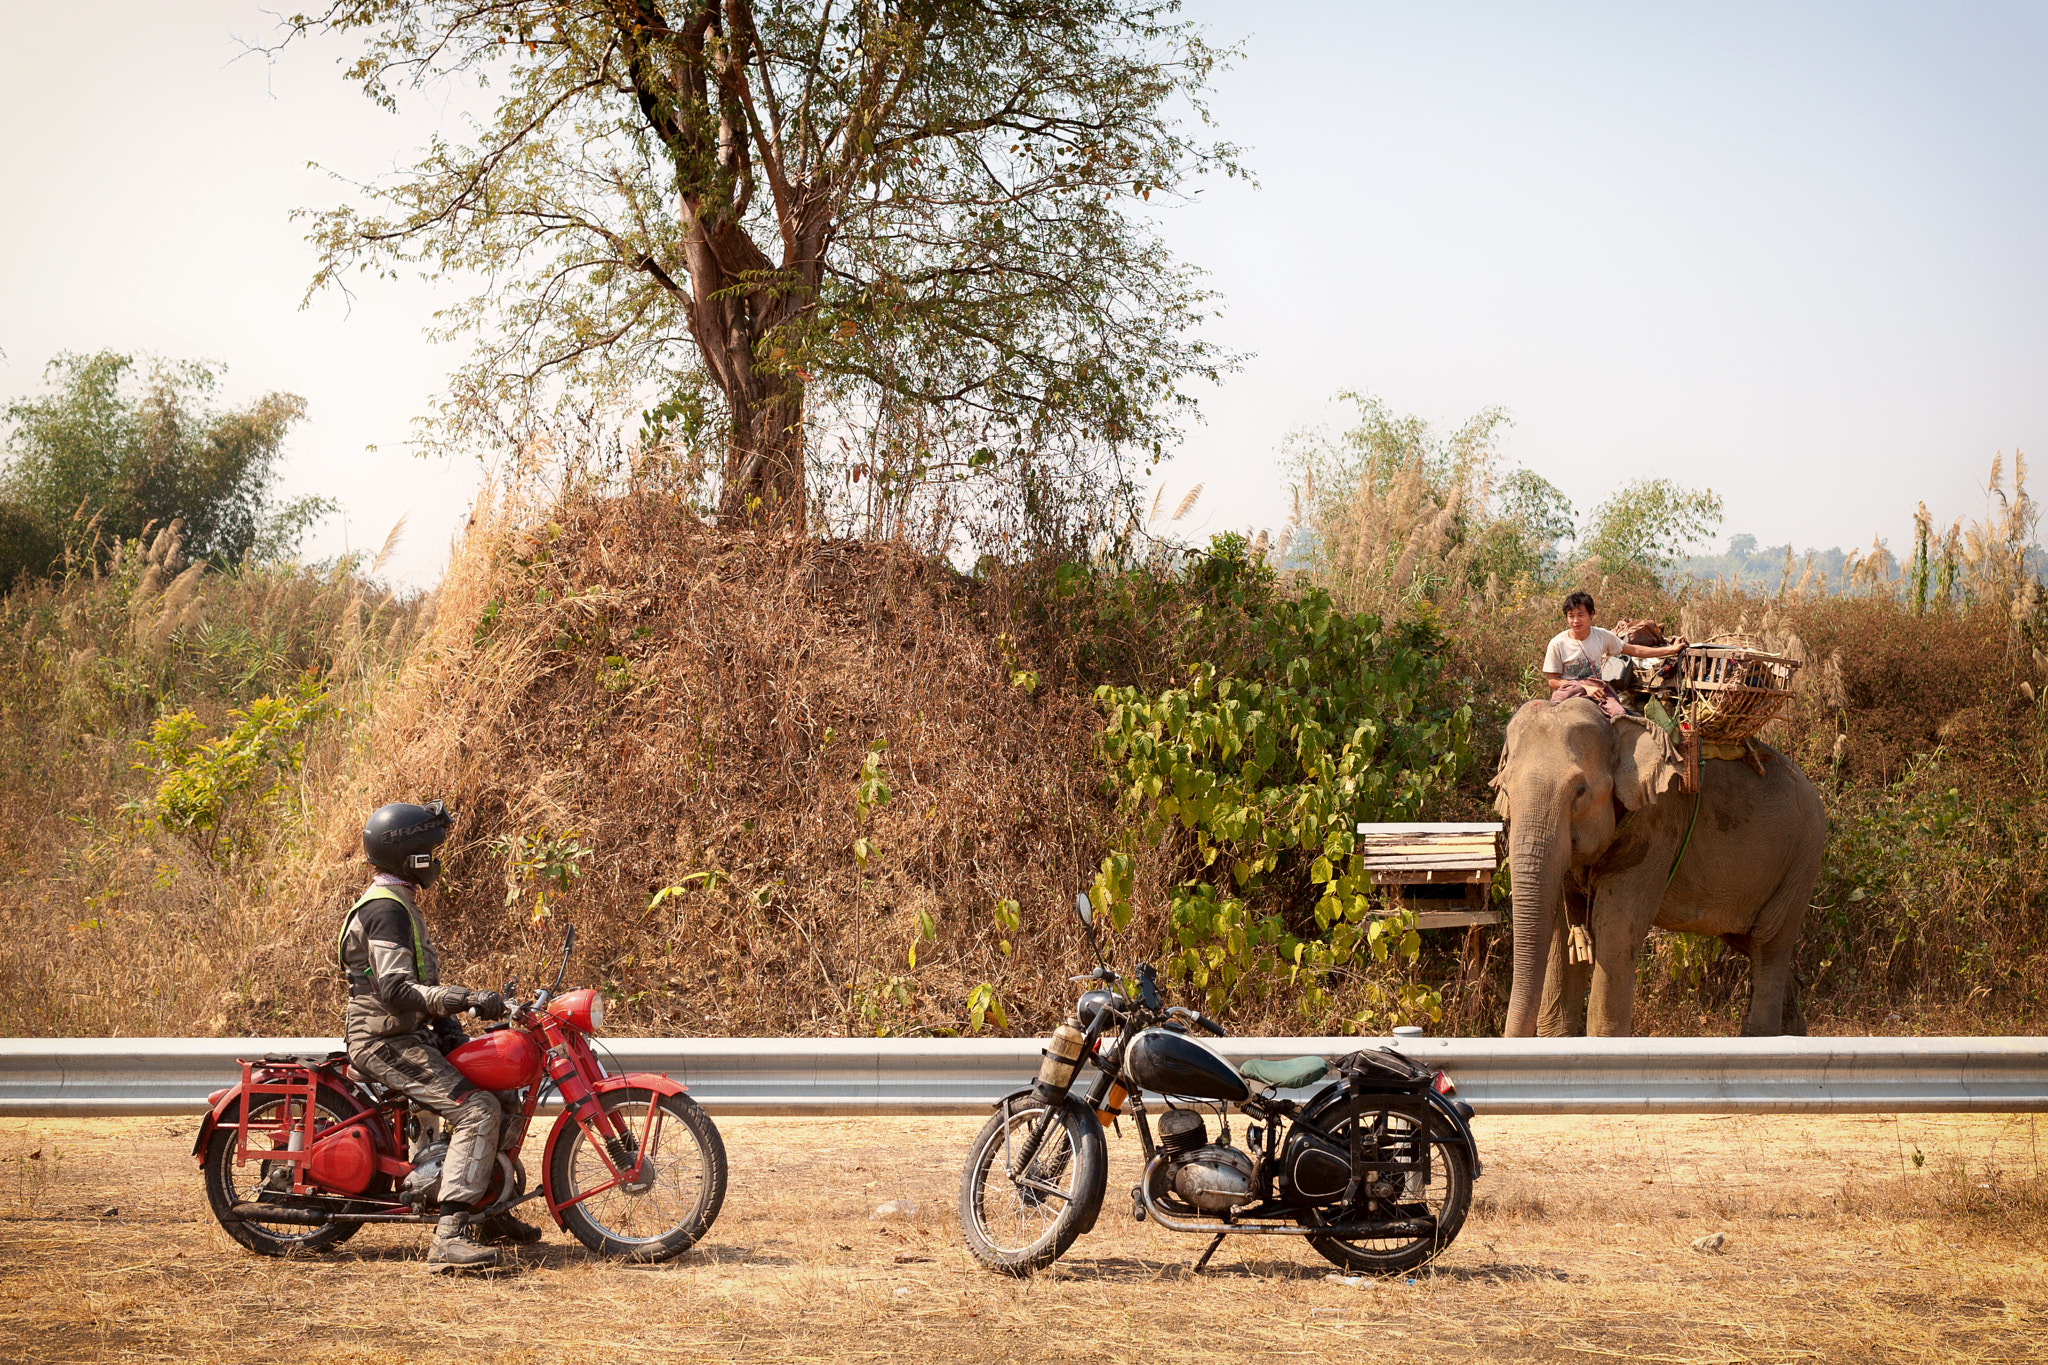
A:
x: 1203, y: 1260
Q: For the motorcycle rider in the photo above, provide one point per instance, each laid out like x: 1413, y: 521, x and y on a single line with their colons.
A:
x: 400, y: 1024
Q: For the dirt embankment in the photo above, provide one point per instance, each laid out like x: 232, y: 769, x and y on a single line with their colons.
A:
x: 695, y: 710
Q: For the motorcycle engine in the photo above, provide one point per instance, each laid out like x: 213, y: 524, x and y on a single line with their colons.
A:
x: 1215, y: 1178
x: 423, y: 1186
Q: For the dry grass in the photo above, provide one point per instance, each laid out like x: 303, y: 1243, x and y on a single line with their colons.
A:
x: 696, y: 708
x: 115, y: 926
x: 1837, y: 1247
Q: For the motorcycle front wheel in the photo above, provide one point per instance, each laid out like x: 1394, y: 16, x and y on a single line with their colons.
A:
x: 265, y: 1182
x: 1022, y: 1223
x: 1444, y: 1200
x: 676, y: 1195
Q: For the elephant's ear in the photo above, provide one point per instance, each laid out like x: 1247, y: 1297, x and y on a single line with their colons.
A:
x: 1645, y: 762
x: 1499, y: 782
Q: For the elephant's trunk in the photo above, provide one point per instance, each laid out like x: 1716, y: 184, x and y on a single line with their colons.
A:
x: 1539, y: 851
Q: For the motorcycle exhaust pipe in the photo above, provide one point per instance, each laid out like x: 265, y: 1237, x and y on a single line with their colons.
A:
x: 277, y: 1213
x: 318, y: 1218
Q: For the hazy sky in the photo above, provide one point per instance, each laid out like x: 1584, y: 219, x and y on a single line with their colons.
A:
x: 1794, y: 252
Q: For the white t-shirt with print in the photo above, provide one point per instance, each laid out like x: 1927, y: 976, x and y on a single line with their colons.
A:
x: 1572, y: 658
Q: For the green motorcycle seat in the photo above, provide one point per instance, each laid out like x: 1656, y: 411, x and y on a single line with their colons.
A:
x: 1292, y: 1074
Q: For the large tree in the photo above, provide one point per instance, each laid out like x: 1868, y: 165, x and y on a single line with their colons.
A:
x: 925, y: 214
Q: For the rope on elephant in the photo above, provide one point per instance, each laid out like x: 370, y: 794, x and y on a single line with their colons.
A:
x: 1686, y: 842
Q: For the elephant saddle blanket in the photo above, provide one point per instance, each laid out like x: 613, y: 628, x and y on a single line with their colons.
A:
x: 1595, y: 690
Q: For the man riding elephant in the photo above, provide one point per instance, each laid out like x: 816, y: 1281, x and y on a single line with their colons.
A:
x: 400, y: 1024
x: 1577, y: 655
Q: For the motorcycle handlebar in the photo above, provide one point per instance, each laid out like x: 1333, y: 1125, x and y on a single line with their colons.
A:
x: 1199, y: 1020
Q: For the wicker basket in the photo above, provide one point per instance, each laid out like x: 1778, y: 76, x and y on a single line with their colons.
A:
x: 1734, y: 692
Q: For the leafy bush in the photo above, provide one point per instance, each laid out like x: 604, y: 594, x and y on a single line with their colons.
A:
x: 1266, y: 775
x: 1648, y: 524
x: 209, y: 790
x: 140, y: 926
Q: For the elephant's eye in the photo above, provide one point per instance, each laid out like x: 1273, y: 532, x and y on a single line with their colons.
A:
x: 1579, y: 794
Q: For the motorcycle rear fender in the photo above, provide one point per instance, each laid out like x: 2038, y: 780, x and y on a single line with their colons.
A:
x: 1447, y: 1111
x: 222, y: 1102
x: 566, y: 1120
x: 1074, y: 1102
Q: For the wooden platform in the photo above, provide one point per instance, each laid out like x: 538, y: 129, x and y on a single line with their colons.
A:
x: 1437, y: 855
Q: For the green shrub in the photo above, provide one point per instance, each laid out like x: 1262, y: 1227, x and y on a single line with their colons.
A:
x: 211, y: 790
x: 1337, y: 720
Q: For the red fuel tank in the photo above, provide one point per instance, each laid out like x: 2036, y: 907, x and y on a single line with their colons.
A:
x: 505, y: 1059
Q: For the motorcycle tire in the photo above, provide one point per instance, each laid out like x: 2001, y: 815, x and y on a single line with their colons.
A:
x: 1449, y: 1197
x: 676, y: 1206
x: 1021, y: 1229
x: 229, y: 1184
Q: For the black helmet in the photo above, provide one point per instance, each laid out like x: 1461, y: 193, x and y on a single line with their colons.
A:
x: 401, y: 838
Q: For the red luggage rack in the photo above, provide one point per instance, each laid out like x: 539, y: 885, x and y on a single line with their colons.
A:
x: 302, y: 1083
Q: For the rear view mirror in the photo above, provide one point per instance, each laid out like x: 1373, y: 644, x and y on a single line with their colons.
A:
x: 1084, y: 910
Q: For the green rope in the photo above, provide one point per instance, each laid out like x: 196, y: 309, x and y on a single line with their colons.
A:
x: 1685, y: 712
x: 1686, y: 843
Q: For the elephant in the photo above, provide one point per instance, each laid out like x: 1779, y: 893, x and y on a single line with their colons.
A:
x: 1596, y: 827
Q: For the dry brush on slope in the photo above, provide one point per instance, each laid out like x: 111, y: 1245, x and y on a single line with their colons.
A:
x: 695, y: 708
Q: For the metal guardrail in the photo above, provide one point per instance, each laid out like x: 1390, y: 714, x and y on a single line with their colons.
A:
x: 79, y: 1077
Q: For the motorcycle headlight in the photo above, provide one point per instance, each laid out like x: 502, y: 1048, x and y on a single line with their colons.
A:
x: 582, y: 1009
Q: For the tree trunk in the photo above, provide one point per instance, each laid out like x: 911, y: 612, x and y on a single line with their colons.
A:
x: 736, y: 300
x: 764, y: 458
x: 691, y: 79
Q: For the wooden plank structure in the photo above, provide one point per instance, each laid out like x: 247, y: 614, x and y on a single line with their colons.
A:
x: 1437, y: 855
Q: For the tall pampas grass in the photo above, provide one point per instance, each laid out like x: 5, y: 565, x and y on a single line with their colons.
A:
x: 1388, y: 509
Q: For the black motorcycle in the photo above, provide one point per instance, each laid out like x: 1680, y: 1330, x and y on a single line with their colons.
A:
x: 1375, y: 1168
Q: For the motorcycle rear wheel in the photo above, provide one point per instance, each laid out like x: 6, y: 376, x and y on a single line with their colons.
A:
x: 679, y: 1199
x: 1448, y: 1197
x: 229, y: 1184
x: 1020, y: 1229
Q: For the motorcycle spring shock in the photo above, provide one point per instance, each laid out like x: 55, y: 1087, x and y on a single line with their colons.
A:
x: 623, y: 1150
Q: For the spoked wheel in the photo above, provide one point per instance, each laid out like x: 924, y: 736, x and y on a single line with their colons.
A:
x: 267, y: 1182
x: 671, y: 1198
x: 1444, y: 1200
x: 1023, y: 1223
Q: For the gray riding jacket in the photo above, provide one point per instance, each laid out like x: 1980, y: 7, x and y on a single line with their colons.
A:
x: 394, y: 976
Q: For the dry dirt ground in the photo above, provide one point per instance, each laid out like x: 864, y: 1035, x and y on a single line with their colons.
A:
x: 1876, y: 1238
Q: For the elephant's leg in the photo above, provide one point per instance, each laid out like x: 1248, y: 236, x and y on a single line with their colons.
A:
x: 1794, y: 1022
x: 1611, y: 1007
x: 1565, y: 982
x: 1619, y: 921
x: 1773, y: 1000
x: 1773, y: 939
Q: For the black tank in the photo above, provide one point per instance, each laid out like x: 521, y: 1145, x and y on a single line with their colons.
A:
x: 1174, y: 1064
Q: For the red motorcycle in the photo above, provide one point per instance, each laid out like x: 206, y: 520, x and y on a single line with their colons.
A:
x: 305, y: 1151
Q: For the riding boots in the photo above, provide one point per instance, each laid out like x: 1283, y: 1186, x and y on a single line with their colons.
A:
x: 505, y: 1230
x: 455, y: 1249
